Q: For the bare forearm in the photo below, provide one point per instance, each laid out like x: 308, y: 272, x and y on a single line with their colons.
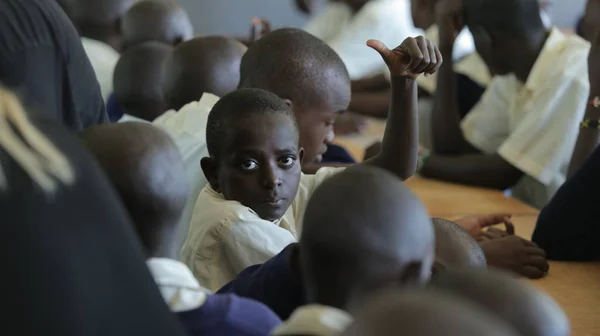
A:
x: 588, y: 140
x: 489, y: 171
x: 447, y: 134
x: 373, y: 104
x: 399, y: 148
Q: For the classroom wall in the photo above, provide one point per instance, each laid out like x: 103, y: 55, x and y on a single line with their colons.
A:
x: 208, y: 15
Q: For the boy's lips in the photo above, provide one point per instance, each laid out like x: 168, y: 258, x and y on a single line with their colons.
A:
x: 274, y: 202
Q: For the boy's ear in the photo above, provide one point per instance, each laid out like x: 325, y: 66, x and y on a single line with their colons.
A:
x: 288, y: 102
x: 301, y: 155
x: 209, y: 167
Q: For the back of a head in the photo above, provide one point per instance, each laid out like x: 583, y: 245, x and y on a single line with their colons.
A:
x: 511, y: 18
x: 93, y: 17
x: 65, y: 222
x: 363, y: 224
x: 295, y: 65
x: 424, y: 313
x: 138, y: 80
x: 527, y: 309
x: 147, y: 170
x: 455, y: 248
x: 156, y: 20
x: 204, y: 64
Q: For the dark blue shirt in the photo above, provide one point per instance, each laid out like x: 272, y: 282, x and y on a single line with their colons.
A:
x: 229, y: 315
x: 271, y: 283
x: 568, y: 228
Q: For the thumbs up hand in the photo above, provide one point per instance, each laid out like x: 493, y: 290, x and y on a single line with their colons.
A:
x: 415, y: 56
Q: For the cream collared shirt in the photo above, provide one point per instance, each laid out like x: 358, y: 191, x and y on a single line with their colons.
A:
x: 180, y: 290
x: 104, y: 59
x: 315, y: 320
x: 187, y: 128
x: 226, y: 237
x: 387, y: 20
x: 534, y: 126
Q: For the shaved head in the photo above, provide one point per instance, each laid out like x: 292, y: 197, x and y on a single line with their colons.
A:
x: 514, y: 18
x: 147, y: 170
x: 424, y: 313
x: 527, y: 309
x: 363, y: 229
x: 455, y: 248
x: 138, y: 80
x: 204, y: 64
x: 298, y: 66
x: 156, y: 20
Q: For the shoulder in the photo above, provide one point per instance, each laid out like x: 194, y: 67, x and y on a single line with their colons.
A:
x: 190, y: 119
x: 232, y: 314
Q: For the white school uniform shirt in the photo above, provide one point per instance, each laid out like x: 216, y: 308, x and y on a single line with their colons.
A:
x: 187, y: 128
x: 129, y: 118
x: 387, y: 20
x: 316, y: 320
x: 534, y: 125
x: 104, y: 60
x: 226, y: 237
x: 177, y: 285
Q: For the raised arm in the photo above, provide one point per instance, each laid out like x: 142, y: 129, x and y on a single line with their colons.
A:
x: 399, y: 149
x: 448, y: 138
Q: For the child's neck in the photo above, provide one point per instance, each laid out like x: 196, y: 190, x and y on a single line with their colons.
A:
x: 529, y: 54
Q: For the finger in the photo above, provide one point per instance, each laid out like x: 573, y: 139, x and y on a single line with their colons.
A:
x: 425, y: 60
x: 497, y: 232
x: 531, y: 272
x: 537, y: 262
x: 380, y: 47
x: 411, y: 48
x: 440, y: 59
x: 254, y: 30
x: 493, y: 219
x: 510, y: 227
x: 533, y: 251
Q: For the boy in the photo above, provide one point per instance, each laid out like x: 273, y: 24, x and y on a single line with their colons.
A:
x: 156, y: 20
x: 146, y: 169
x: 510, y: 138
x: 364, y: 230
x: 195, y: 70
x: 256, y: 198
x: 424, y: 313
x: 99, y: 24
x: 138, y: 81
x: 455, y: 247
x: 525, y: 308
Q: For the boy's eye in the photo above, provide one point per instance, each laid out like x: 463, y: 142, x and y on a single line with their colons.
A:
x: 330, y: 123
x: 287, y: 161
x: 249, y: 165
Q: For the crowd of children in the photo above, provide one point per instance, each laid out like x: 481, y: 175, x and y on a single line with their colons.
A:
x: 208, y: 183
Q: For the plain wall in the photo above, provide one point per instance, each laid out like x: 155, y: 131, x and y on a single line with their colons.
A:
x: 232, y: 17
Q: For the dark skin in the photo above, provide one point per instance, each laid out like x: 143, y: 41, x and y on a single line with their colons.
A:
x: 259, y: 165
x: 528, y: 310
x: 454, y: 159
x: 589, y: 138
x: 423, y: 13
x: 145, y: 166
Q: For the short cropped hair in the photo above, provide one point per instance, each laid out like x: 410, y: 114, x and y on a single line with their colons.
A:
x: 456, y: 246
x: 237, y: 105
x: 292, y: 64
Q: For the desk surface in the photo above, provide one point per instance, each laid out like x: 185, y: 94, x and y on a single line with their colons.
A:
x: 575, y: 286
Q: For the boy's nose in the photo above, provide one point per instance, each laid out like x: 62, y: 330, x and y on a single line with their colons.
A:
x: 271, y: 178
x: 329, y: 136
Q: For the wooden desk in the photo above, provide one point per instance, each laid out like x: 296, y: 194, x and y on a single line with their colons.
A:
x: 575, y: 286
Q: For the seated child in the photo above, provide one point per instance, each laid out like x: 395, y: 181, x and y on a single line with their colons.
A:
x: 147, y: 171
x: 540, y: 89
x: 156, y: 20
x: 424, y: 313
x: 455, y: 247
x: 255, y: 200
x: 138, y: 81
x: 524, y: 307
x: 372, y: 233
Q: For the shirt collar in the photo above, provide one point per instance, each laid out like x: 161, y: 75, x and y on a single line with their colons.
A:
x: 128, y: 117
x: 537, y: 76
x: 213, y: 193
x: 180, y: 290
x: 315, y: 320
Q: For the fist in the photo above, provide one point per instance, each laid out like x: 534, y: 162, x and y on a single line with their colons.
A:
x: 415, y: 56
x: 475, y: 225
x: 515, y: 254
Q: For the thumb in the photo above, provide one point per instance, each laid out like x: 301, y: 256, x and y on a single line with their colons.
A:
x: 380, y: 47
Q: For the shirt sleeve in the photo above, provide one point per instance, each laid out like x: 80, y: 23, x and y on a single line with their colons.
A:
x: 388, y: 21
x: 486, y: 125
x: 252, y: 241
x: 542, y: 142
x: 567, y: 228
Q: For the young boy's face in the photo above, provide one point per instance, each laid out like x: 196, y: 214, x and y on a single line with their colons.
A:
x: 422, y: 13
x: 316, y: 120
x: 260, y: 163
